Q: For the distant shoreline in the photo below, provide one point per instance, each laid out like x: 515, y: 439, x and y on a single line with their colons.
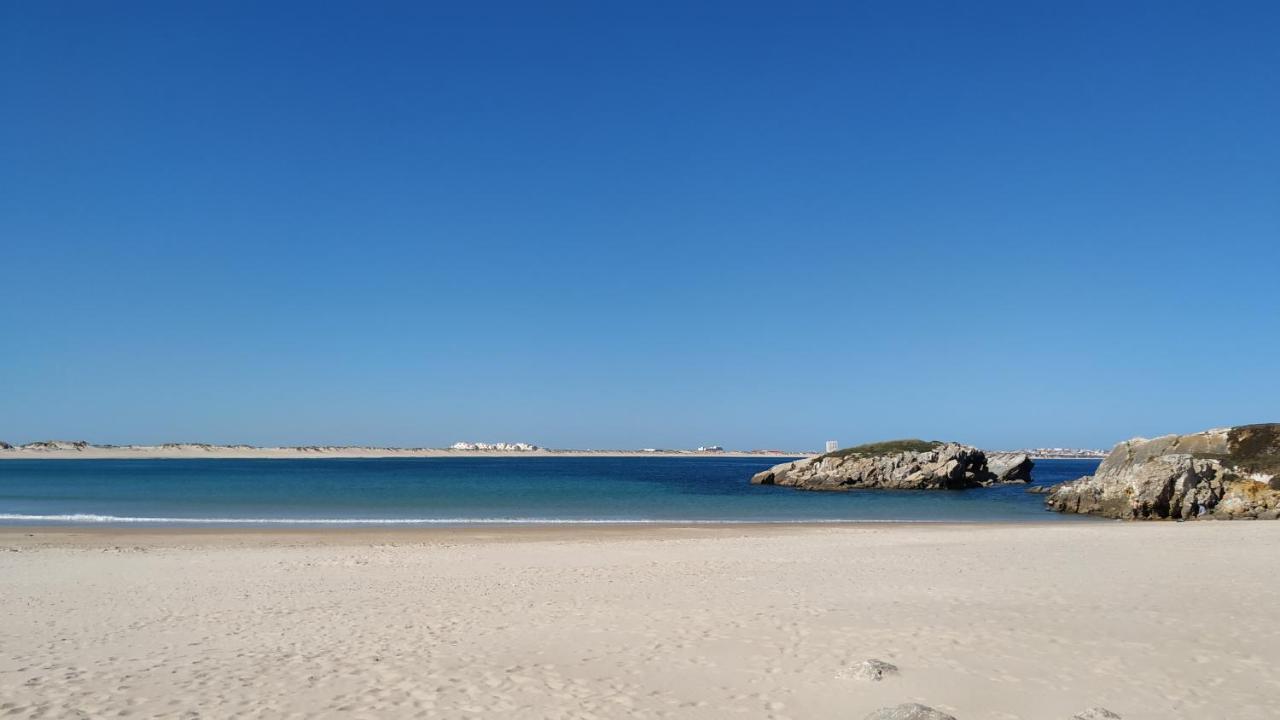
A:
x: 192, y: 451
x: 234, y: 452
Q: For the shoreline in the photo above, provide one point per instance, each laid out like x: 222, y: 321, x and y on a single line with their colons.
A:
x: 421, y: 532
x: 345, y: 535
x: 513, y: 531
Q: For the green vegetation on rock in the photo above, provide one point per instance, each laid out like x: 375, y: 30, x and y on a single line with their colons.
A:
x: 880, y: 449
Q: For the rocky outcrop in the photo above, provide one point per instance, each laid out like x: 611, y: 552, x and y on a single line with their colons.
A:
x: 1010, y: 467
x: 896, y: 465
x: 1226, y: 473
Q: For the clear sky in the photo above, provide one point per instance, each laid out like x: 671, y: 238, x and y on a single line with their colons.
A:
x: 641, y: 224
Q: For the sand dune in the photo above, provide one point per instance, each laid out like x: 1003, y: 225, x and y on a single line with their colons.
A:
x: 985, y: 622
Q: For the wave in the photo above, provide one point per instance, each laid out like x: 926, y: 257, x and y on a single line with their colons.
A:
x: 85, y: 518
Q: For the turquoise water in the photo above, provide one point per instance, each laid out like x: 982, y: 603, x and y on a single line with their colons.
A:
x: 472, y: 490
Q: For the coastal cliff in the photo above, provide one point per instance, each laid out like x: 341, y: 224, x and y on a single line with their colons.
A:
x: 900, y: 465
x: 1225, y: 473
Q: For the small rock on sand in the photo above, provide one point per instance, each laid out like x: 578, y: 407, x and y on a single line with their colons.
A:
x: 909, y: 711
x: 873, y: 670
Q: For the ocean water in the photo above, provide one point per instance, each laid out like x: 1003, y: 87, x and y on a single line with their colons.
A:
x: 430, y: 491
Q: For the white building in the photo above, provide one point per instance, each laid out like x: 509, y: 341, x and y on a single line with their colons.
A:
x: 832, y: 446
x: 501, y: 447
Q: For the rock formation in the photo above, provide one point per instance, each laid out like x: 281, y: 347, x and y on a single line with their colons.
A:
x: 1010, y: 467
x: 1227, y: 473
x: 898, y: 465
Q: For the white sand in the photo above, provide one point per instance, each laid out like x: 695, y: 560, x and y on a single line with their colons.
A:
x: 986, y: 622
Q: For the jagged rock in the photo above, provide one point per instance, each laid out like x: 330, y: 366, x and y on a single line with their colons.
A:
x: 1098, y: 713
x: 1226, y: 473
x: 873, y: 670
x: 1010, y: 467
x: 909, y: 711
x: 893, y: 465
x: 1041, y: 489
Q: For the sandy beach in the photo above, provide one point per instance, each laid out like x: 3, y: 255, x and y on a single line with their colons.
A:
x: 995, y: 622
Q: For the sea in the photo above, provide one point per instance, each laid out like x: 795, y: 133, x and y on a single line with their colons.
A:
x: 463, y: 491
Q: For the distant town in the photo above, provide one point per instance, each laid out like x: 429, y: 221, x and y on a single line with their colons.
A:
x: 1063, y: 453
x: 529, y: 447
x: 830, y: 446
x: 499, y: 447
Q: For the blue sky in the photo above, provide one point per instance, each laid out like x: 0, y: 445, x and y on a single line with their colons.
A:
x: 661, y: 224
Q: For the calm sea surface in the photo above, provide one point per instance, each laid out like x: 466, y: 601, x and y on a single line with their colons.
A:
x: 473, y: 490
